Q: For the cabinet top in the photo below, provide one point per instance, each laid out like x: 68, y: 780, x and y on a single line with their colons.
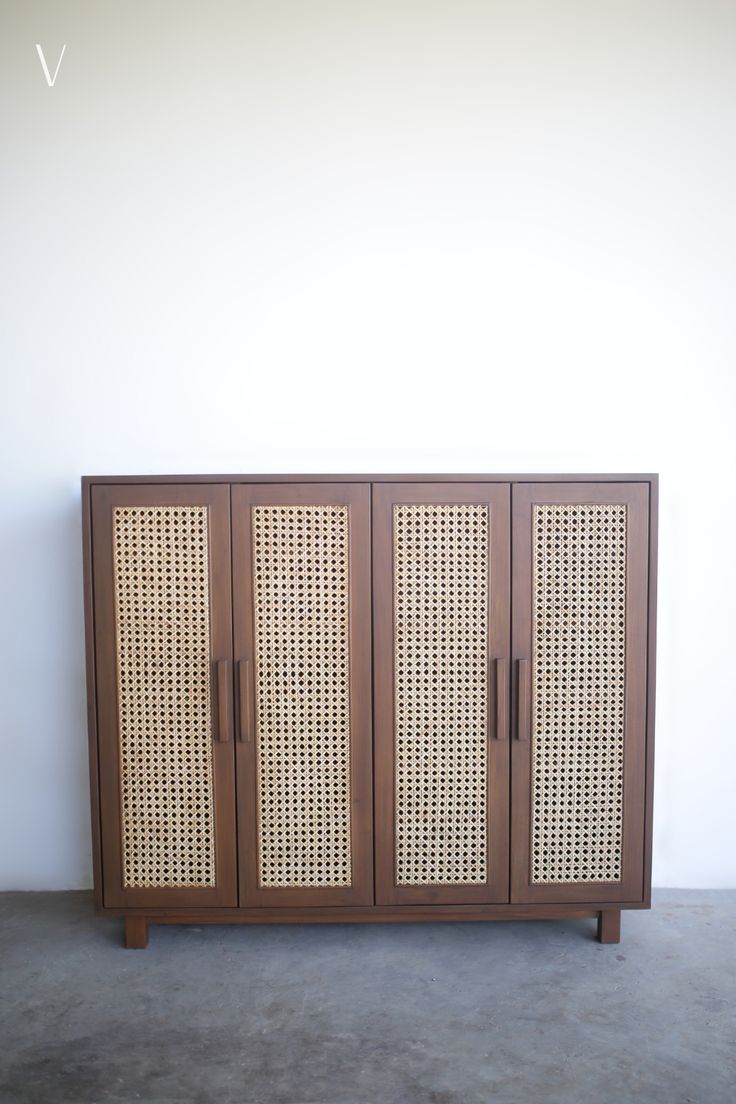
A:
x: 365, y: 477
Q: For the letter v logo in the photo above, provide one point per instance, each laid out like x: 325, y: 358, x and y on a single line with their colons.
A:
x: 51, y: 81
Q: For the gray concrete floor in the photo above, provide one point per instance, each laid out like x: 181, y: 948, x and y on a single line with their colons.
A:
x: 508, y: 1013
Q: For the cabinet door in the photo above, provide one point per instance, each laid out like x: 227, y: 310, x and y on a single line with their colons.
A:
x: 579, y: 641
x: 301, y: 571
x: 163, y: 645
x: 441, y: 646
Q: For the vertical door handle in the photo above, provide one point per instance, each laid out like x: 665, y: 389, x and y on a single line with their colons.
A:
x: 522, y: 700
x: 223, y: 700
x: 502, y: 704
x: 245, y: 732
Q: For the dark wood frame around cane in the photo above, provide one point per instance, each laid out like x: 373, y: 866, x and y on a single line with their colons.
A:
x: 139, y: 913
x: 357, y: 497
x: 497, y: 498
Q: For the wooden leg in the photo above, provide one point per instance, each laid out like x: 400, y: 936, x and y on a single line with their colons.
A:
x: 609, y: 926
x: 136, y: 932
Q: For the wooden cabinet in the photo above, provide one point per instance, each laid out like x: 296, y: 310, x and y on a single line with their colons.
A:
x: 326, y: 698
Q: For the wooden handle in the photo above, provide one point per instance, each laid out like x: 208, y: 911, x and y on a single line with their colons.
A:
x: 223, y: 700
x: 245, y: 733
x: 522, y: 700
x: 502, y: 704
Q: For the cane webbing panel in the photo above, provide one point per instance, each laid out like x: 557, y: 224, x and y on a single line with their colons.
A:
x: 302, y: 647
x: 162, y: 607
x: 578, y: 697
x: 440, y: 687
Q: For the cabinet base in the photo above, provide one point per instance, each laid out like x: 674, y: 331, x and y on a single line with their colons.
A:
x: 137, y: 923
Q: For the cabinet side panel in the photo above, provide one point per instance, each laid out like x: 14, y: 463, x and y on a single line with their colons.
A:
x: 89, y: 639
x: 651, y: 681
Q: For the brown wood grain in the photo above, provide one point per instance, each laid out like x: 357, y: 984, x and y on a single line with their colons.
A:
x: 357, y: 913
x: 89, y: 645
x: 357, y: 498
x: 217, y: 499
x: 651, y: 682
x: 207, y: 906
x: 609, y: 926
x: 496, y: 496
x: 380, y: 477
x: 136, y: 932
x: 636, y: 498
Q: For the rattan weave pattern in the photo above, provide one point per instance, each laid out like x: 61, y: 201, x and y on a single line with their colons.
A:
x: 162, y: 610
x: 440, y: 671
x: 578, y: 699
x: 302, y: 638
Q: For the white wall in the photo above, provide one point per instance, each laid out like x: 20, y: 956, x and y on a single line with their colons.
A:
x: 388, y: 235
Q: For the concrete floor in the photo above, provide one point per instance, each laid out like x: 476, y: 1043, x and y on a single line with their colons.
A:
x: 497, y: 1013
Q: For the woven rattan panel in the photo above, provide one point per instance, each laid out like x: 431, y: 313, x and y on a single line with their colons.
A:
x: 579, y: 661
x: 301, y: 599
x: 161, y: 563
x: 441, y: 671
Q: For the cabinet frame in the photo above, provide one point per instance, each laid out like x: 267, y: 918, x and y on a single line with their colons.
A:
x: 354, y: 913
